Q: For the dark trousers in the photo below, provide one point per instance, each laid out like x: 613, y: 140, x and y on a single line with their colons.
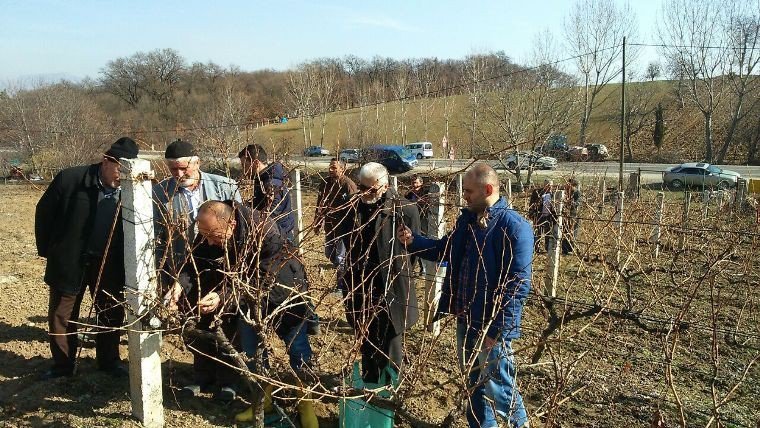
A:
x: 380, y: 344
x: 206, y: 369
x: 381, y: 347
x: 63, y: 315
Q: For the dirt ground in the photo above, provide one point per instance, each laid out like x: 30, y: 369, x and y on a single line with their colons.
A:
x: 617, y: 383
x: 93, y: 399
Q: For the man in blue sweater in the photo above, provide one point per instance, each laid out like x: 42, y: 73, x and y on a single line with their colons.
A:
x: 489, y: 253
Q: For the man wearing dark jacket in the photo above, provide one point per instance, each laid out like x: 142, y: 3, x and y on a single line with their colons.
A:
x: 78, y: 229
x: 239, y: 258
x: 380, y: 299
x: 335, y: 194
x: 489, y: 253
x: 269, y: 187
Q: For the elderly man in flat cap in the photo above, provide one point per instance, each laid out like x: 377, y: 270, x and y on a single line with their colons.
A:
x: 78, y: 230
x: 176, y: 202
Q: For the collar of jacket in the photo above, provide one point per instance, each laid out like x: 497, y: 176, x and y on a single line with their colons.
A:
x: 92, y: 178
x: 174, y: 186
x: 496, y: 210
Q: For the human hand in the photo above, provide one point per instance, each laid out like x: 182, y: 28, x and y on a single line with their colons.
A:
x: 209, y: 303
x: 404, y: 235
x: 172, y: 296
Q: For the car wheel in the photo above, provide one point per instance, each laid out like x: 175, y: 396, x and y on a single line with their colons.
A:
x: 511, y: 165
x: 676, y: 184
x: 723, y: 185
x: 419, y: 156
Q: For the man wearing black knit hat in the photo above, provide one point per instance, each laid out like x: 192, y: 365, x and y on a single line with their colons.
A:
x: 176, y: 201
x: 78, y: 229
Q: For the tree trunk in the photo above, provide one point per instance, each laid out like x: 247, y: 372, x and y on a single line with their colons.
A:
x: 708, y: 137
x: 322, y: 131
x: 735, y: 118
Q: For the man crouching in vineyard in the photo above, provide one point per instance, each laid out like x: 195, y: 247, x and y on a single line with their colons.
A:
x: 238, y: 259
x: 489, y: 253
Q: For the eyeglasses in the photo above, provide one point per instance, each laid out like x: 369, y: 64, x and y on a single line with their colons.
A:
x: 367, y: 189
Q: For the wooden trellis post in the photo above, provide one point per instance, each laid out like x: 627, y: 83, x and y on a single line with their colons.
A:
x: 435, y: 272
x: 394, y: 182
x: 141, y: 292
x: 602, y: 194
x: 297, y: 204
x: 552, y: 268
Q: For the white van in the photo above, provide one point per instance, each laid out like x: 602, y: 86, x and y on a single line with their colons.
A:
x: 421, y: 150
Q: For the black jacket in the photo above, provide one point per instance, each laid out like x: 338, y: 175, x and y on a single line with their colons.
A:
x: 395, y: 292
x: 64, y: 218
x: 256, y: 256
x: 271, y: 195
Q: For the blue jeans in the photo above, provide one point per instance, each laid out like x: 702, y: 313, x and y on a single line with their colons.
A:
x: 295, y: 338
x: 491, y: 378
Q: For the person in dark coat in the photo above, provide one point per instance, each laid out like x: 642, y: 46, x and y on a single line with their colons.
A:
x: 418, y: 194
x: 78, y: 229
x: 335, y: 194
x: 235, y: 242
x: 378, y: 285
x: 269, y: 187
x: 572, y: 222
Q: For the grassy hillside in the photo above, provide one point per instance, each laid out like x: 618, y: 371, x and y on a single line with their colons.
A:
x: 425, y: 120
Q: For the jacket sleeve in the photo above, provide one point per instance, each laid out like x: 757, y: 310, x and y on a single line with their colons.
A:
x: 518, y: 256
x: 44, y: 217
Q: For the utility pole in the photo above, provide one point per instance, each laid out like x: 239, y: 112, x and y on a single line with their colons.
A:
x: 622, y: 123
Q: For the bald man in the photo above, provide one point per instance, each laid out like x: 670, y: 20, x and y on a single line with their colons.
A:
x: 489, y: 253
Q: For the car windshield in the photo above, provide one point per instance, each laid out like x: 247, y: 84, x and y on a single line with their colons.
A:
x: 405, y: 153
x: 714, y: 169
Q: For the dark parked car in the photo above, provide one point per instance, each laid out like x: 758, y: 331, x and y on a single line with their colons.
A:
x: 395, y: 158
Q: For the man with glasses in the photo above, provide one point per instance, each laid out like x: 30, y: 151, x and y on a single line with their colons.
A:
x: 78, y: 229
x: 176, y: 202
x: 378, y: 286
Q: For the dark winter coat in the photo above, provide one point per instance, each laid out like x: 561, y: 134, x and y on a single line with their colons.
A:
x: 270, y: 195
x: 64, y: 218
x: 256, y: 255
x: 395, y: 292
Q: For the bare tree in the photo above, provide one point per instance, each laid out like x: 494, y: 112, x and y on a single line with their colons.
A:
x: 694, y: 49
x: 326, y: 82
x: 594, y: 32
x: 476, y: 68
x: 639, y: 107
x: 301, y: 90
x: 654, y: 70
x: 742, y: 26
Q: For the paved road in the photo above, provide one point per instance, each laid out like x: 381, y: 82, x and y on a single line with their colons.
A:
x: 650, y: 171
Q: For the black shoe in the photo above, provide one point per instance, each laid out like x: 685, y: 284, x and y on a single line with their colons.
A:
x: 55, y: 374
x: 117, y: 370
x: 225, y: 393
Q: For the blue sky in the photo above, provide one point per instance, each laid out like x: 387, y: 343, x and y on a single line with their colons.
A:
x: 75, y: 39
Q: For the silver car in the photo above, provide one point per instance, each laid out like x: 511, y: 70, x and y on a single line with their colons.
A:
x: 699, y: 174
x: 530, y: 159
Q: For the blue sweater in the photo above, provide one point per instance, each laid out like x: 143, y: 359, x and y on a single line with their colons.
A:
x: 495, y: 296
